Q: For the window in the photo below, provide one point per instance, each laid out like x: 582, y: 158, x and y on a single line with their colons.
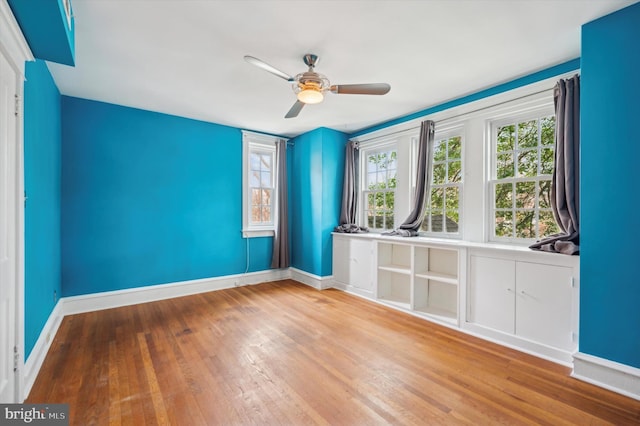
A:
x: 259, y: 191
x: 443, y: 207
x: 380, y: 181
x: 522, y: 167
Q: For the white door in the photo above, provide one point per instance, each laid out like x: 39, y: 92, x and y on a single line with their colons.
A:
x: 492, y: 293
x: 8, y: 231
x: 544, y: 308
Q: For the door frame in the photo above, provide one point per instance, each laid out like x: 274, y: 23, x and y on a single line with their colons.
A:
x: 15, y: 49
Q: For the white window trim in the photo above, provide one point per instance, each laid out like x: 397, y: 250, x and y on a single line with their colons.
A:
x: 252, y: 141
x: 515, y: 114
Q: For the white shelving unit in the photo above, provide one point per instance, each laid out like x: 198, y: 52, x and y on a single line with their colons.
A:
x: 421, y: 278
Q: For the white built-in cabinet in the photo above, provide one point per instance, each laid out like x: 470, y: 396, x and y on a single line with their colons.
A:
x: 527, y: 299
x: 353, y: 264
x: 511, y: 295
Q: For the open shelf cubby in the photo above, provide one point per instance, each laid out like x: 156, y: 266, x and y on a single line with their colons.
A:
x: 436, y: 298
x: 394, y: 287
x: 394, y: 257
x: 437, y: 263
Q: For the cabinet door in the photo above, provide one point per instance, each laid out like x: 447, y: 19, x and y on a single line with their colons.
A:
x: 492, y: 287
x: 341, y: 260
x: 360, y: 264
x: 544, y: 304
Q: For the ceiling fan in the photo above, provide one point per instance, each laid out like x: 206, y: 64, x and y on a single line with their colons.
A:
x: 311, y: 86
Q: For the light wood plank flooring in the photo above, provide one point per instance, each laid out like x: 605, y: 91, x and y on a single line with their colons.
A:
x: 284, y: 353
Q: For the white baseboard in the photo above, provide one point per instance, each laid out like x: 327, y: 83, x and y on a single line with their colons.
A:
x: 607, y: 374
x: 132, y: 296
x: 39, y: 352
x: 315, y: 281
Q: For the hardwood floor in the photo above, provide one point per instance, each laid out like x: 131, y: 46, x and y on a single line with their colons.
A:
x: 284, y: 353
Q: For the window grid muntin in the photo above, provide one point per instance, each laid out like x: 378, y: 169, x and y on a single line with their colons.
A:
x: 427, y: 224
x: 537, y: 179
x: 263, y: 187
x: 385, y: 214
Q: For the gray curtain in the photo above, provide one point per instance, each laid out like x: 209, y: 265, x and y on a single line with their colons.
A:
x: 565, y: 186
x: 280, y: 258
x: 411, y: 225
x: 348, y: 212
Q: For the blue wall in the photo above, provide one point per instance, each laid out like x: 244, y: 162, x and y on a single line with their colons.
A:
x: 316, y: 194
x: 610, y: 107
x: 45, y: 27
x: 42, y: 162
x: 149, y: 198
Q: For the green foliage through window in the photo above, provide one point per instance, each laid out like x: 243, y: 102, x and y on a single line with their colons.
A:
x: 443, y: 208
x: 381, y: 181
x: 524, y: 155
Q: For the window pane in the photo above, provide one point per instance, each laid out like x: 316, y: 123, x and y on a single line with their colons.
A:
x: 504, y: 195
x: 544, y: 194
x: 548, y: 126
x: 265, y: 162
x: 504, y: 166
x: 440, y: 150
x: 452, y: 195
x: 378, y: 222
x: 255, y: 214
x: 392, y: 181
x: 525, y: 227
x: 254, y: 179
x: 370, y: 220
x: 436, y: 221
x: 455, y: 147
x: 255, y: 197
x: 266, y: 214
x: 254, y: 161
x: 439, y: 174
x: 548, y: 225
x: 528, y: 134
x: 389, y: 200
x: 525, y: 195
x: 371, y: 201
x: 372, y: 180
x: 437, y: 202
x: 389, y: 221
x: 455, y: 172
x: 506, y: 138
x: 546, y: 163
x: 452, y: 220
x: 266, y: 197
x: 371, y: 164
x: 379, y: 203
x: 504, y: 224
x: 265, y: 179
x: 528, y: 163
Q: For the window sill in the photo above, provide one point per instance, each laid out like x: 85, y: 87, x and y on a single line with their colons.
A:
x: 257, y: 233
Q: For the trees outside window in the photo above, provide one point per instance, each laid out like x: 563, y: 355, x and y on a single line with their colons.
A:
x: 521, y: 187
x: 380, y: 186
x: 443, y: 208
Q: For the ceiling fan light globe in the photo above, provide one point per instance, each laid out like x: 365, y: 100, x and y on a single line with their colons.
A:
x: 310, y: 96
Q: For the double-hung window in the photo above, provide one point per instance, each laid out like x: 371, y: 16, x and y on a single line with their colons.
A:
x: 522, y: 168
x: 443, y: 206
x: 379, y: 174
x: 259, y: 190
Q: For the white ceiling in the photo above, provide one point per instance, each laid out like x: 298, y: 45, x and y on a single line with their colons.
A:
x: 185, y: 57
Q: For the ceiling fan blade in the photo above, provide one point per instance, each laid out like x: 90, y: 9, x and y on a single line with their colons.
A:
x: 265, y: 66
x: 361, y: 89
x: 295, y: 110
